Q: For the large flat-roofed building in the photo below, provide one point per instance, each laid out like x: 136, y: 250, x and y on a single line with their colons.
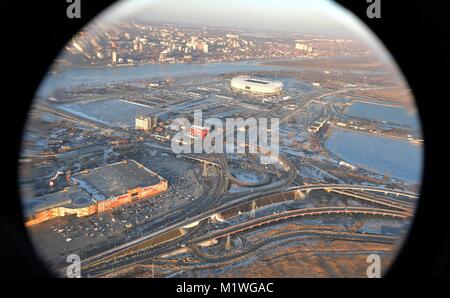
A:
x: 97, y: 190
x: 66, y: 202
x: 256, y: 85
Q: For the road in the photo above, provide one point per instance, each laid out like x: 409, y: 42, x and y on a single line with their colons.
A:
x: 307, y: 101
x: 178, y: 221
x: 127, y: 247
x: 138, y: 255
x: 205, y: 207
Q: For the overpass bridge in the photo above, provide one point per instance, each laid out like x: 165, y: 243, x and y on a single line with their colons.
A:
x: 222, y: 164
x: 259, y: 222
x: 375, y: 199
x: 129, y: 246
x: 273, y: 218
x: 221, y: 161
x: 331, y: 187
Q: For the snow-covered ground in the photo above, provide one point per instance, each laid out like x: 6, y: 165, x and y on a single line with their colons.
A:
x: 110, y: 112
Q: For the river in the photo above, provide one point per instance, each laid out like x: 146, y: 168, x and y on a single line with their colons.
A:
x: 105, y: 75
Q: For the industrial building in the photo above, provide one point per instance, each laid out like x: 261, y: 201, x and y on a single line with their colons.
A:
x: 317, y: 126
x: 200, y: 131
x: 256, y: 85
x: 145, y: 122
x: 95, y: 191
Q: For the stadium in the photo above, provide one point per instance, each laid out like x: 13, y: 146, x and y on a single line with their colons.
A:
x: 256, y: 85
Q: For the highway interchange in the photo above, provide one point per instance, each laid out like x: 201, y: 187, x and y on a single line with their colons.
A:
x: 188, y: 216
x: 134, y: 251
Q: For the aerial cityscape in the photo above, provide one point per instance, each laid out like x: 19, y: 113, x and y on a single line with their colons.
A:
x: 100, y: 178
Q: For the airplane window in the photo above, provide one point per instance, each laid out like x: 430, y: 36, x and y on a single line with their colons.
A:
x: 222, y: 139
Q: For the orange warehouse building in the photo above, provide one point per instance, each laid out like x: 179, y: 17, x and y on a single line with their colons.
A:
x: 95, y: 191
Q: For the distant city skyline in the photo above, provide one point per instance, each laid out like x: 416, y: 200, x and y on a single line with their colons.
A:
x: 324, y: 18
x: 319, y: 17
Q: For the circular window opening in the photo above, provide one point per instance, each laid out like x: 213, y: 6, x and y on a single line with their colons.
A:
x: 223, y: 139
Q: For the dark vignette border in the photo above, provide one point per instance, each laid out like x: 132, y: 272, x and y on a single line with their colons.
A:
x: 416, y: 33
